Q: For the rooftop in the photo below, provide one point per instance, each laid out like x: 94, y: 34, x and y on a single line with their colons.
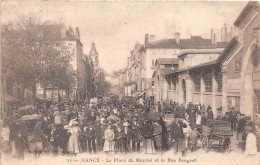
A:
x: 246, y: 12
x: 195, y: 42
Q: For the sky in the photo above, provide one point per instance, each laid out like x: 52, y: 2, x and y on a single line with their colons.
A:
x: 115, y: 27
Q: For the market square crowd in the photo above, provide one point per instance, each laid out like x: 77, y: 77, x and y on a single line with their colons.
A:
x: 122, y: 126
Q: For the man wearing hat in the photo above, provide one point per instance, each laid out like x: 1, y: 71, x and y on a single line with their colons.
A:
x: 127, y: 136
x: 54, y: 138
x: 97, y: 126
x: 135, y: 125
x: 90, y: 133
x: 20, y: 145
x: 209, y: 113
x: 177, y: 133
x: 240, y: 127
x: 233, y: 119
x: 219, y: 113
x: 192, y: 116
x: 38, y: 138
x: 157, y: 133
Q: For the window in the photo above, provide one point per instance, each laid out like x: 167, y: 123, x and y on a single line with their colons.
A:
x: 169, y: 84
x: 153, y: 64
x: 175, y: 83
x: 152, y: 84
x: 219, y: 81
x: 238, y: 63
x: 197, y: 83
x: 208, y: 82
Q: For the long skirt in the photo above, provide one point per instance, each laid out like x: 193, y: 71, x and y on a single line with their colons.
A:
x: 251, y: 146
x: 73, y: 145
x: 108, y: 145
x: 149, y: 146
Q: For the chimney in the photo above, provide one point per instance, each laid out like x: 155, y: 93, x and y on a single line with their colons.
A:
x: 215, y: 39
x: 224, y: 33
x: 146, y: 39
x: 77, y: 33
x: 212, y: 36
x: 225, y: 27
x: 177, y: 38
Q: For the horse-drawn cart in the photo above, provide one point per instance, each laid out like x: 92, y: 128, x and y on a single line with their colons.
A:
x: 216, y: 135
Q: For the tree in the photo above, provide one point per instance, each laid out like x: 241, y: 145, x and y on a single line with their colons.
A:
x: 30, y: 54
x: 103, y: 86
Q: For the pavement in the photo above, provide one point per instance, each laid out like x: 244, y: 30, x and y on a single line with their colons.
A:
x: 235, y: 144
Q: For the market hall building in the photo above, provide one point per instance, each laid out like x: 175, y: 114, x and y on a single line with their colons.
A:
x: 226, y: 75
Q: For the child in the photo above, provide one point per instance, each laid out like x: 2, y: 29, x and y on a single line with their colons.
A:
x: 109, y: 139
x: 20, y: 145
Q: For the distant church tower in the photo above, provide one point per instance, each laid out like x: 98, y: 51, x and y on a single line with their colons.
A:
x: 93, y: 54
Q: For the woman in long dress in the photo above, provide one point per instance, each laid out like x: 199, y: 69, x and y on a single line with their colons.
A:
x: 73, y: 144
x: 109, y: 139
x: 251, y: 142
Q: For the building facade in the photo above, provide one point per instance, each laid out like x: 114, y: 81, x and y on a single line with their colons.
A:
x: 240, y: 63
x: 220, y: 74
x: 67, y: 40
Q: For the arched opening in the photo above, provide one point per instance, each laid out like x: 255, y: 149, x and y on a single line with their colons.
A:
x: 184, y: 90
x: 249, y: 82
x: 256, y: 80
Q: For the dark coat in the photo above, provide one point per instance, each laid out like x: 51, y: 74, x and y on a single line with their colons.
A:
x: 38, y: 135
x: 20, y: 144
x: 210, y: 115
x: 98, y: 130
x: 241, y: 124
x: 176, y: 130
x: 192, y: 117
x: 14, y: 129
x: 90, y: 132
x: 119, y: 142
x: 135, y: 131
x: 147, y: 131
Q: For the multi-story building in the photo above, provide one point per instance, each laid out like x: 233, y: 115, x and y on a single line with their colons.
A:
x: 67, y: 38
x: 240, y: 64
x: 141, y: 63
x: 221, y: 74
x: 192, y: 82
x: 162, y: 83
x: 90, y: 76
